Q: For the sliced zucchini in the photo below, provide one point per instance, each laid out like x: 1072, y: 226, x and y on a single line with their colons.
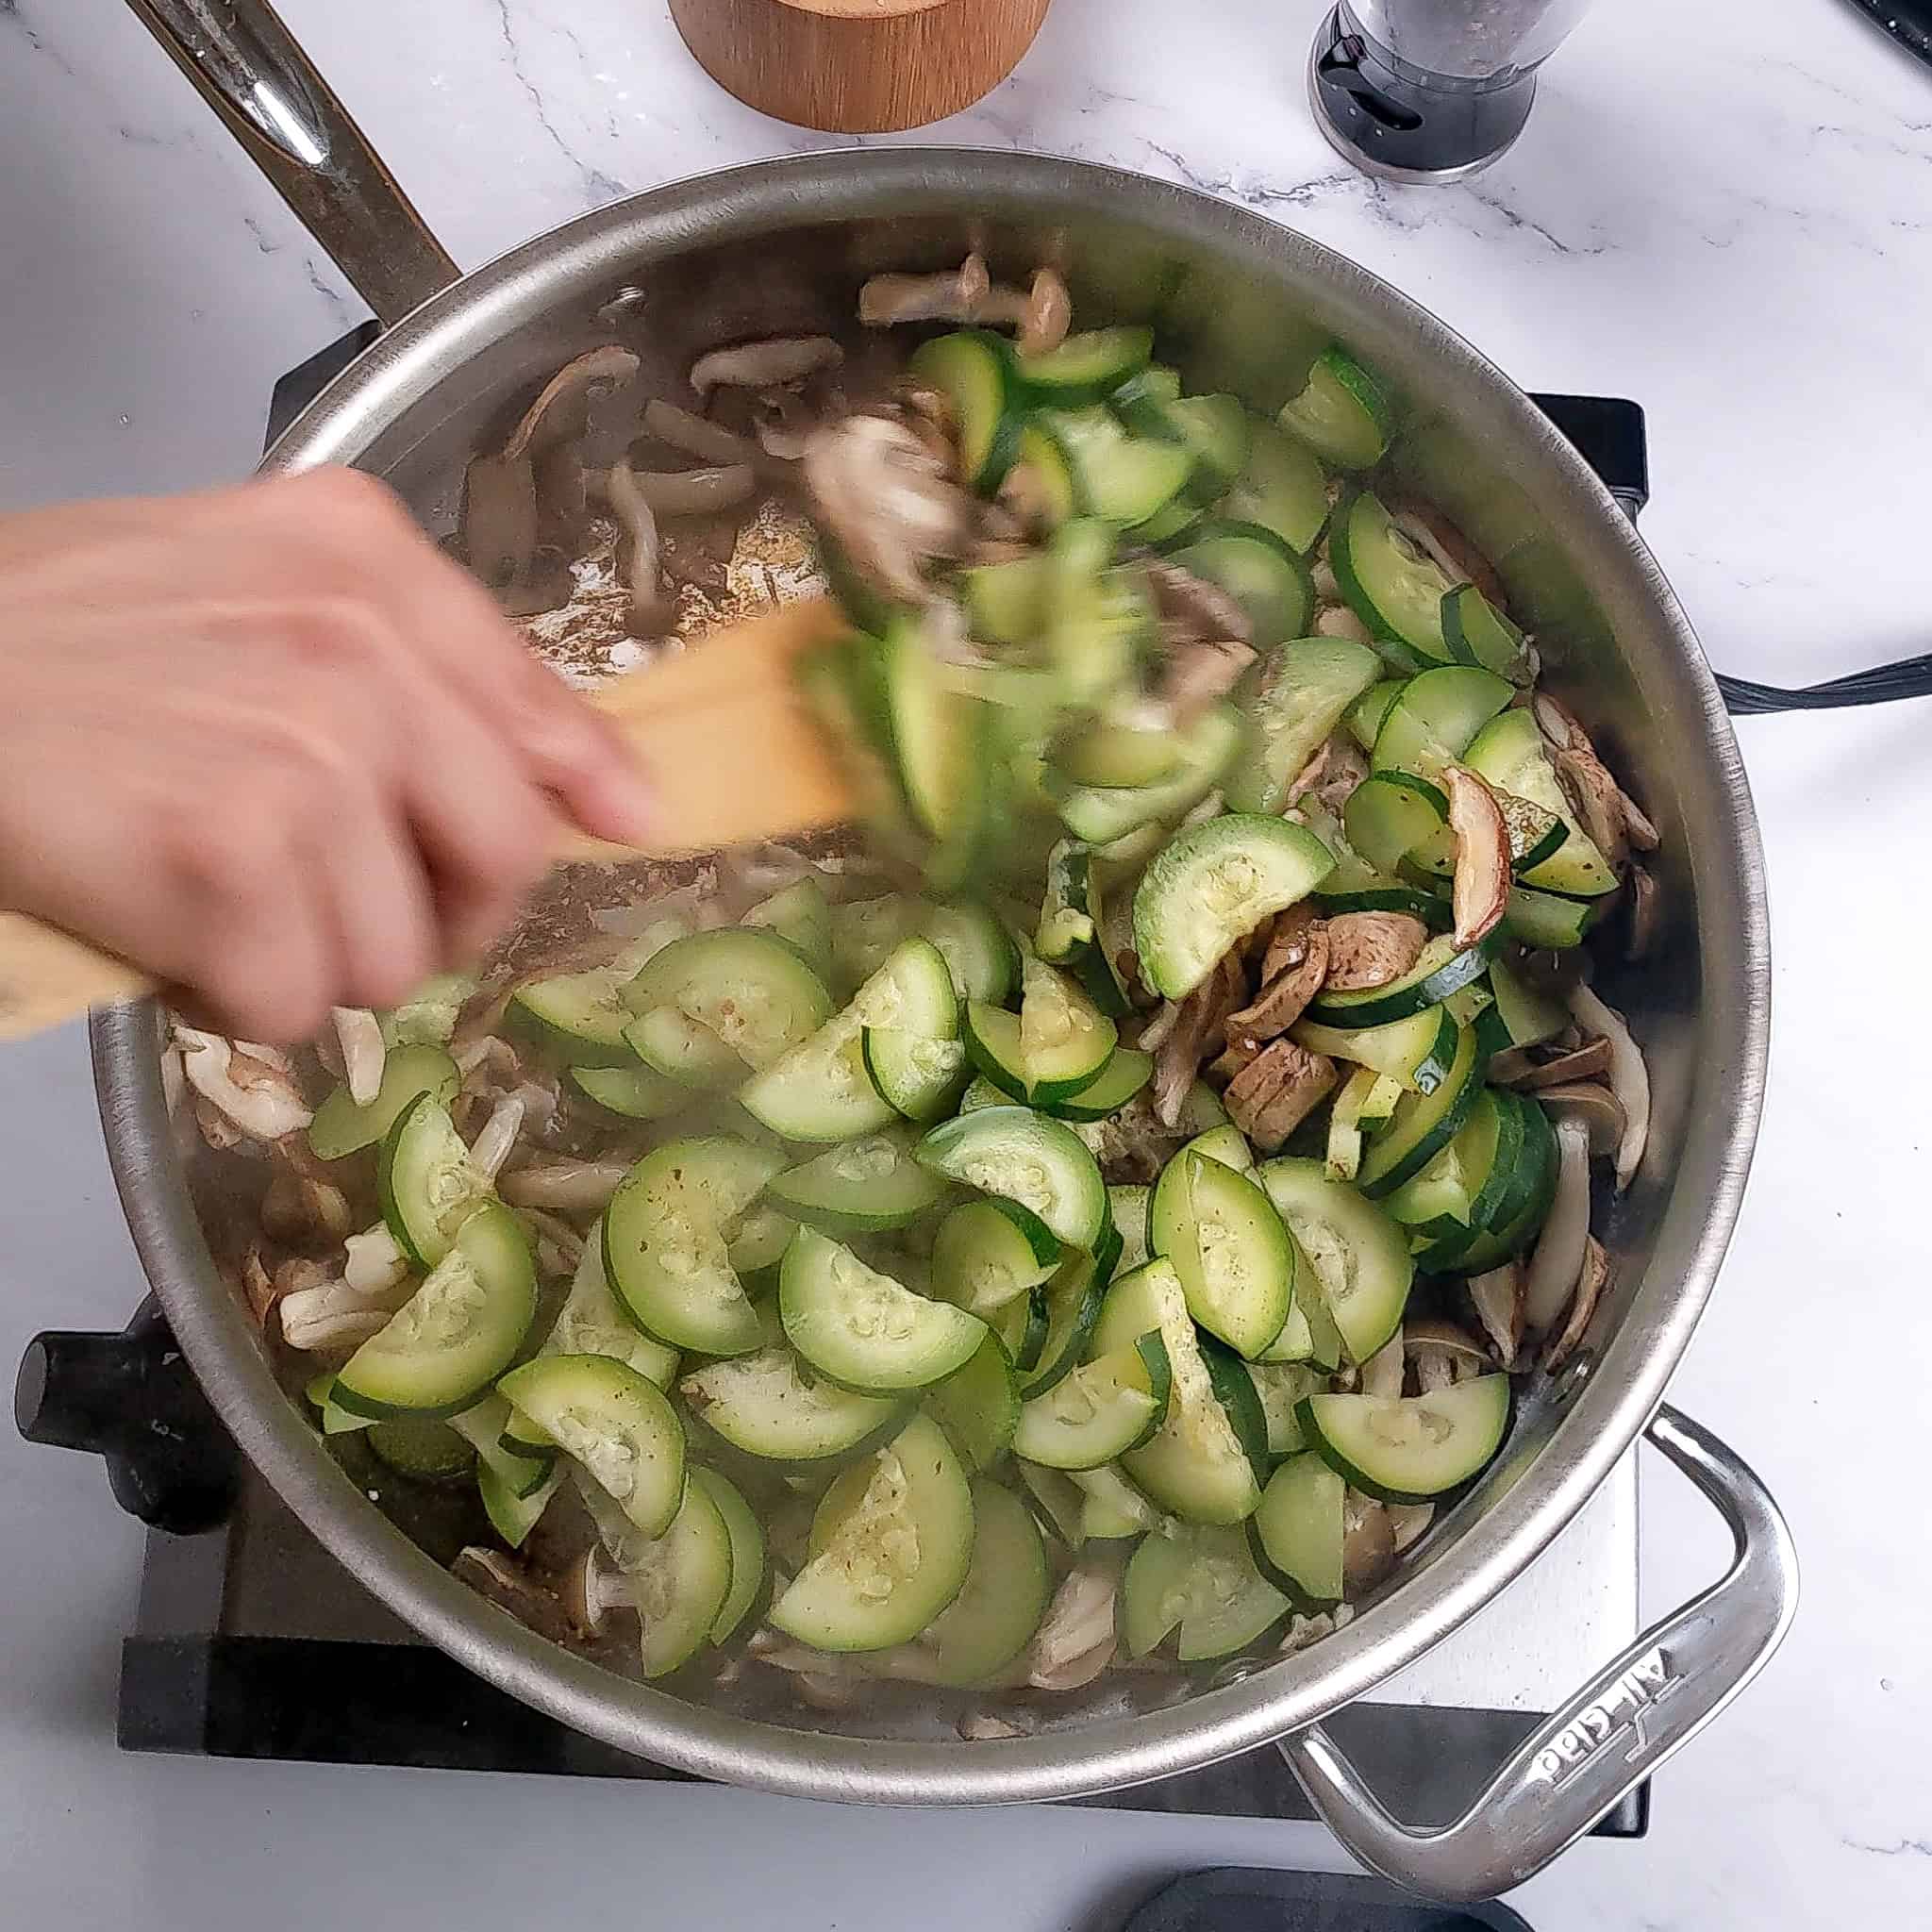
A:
x: 1004, y: 1597
x: 1296, y: 1534
x: 859, y: 1187
x: 1424, y: 1123
x: 1065, y: 1040
x: 1195, y: 1466
x: 513, y: 1516
x: 1365, y: 1102
x: 684, y: 1051
x: 821, y: 1091
x: 1366, y: 714
x: 1214, y: 429
x: 1357, y: 1256
x: 483, y: 1426
x: 938, y: 745
x: 428, y: 1016
x: 666, y: 1242
x: 1066, y: 926
x: 1203, y: 1582
x: 635, y: 1094
x: 1006, y: 602
x: 801, y: 915
x: 1098, y: 618
x: 581, y: 1017
x: 1098, y: 1411
x: 1291, y: 701
x: 862, y: 1327
x: 1100, y: 814
x: 987, y: 1252
x: 747, y: 1539
x: 1438, y: 714
x: 1020, y: 1327
x: 1056, y: 1501
x: 1343, y: 413
x: 1211, y: 883
x: 678, y: 1583
x: 1392, y: 814
x: 591, y: 1322
x: 1409, y: 1449
x: 1257, y: 569
x: 1546, y: 921
x: 1419, y: 1052
x: 1123, y: 480
x: 423, y: 1450
x: 341, y: 1128
x: 1519, y: 1216
x: 1226, y: 1143
x: 979, y: 1406
x: 1510, y: 756
x: 978, y: 950
x: 1281, y: 488
x: 767, y: 1404
x: 1125, y: 1073
x: 618, y: 1428
x: 1040, y: 483
x: 1228, y: 1246
x: 1278, y: 1387
x: 1128, y: 1205
x: 1087, y: 367
x: 1113, y: 1506
x: 1477, y: 633
x: 1528, y: 1017
x: 917, y: 1062
x: 1390, y: 583
x: 745, y: 987
x: 863, y: 932
x: 1023, y: 1157
x: 1072, y: 1299
x: 896, y: 1554
x: 426, y: 1182
x: 975, y: 371
x: 1441, y: 968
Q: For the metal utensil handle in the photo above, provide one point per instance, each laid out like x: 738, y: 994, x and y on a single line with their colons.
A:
x: 1632, y: 1716
x: 249, y: 68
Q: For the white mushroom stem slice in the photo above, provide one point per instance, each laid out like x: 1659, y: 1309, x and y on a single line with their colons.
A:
x: 259, y: 1100
x: 558, y: 413
x: 1629, y: 1077
x: 639, y: 554
x: 1595, y: 1106
x: 1527, y: 1075
x: 1432, y: 1336
x: 564, y: 1187
x: 1594, y: 1278
x: 373, y: 1262
x: 1075, y: 1641
x: 498, y: 1135
x: 1498, y: 1299
x: 691, y: 493
x: 1480, y: 892
x: 1557, y: 1259
x: 889, y: 501
x: 954, y: 296
x: 695, y: 435
x: 1383, y: 1371
x: 363, y: 1053
x: 757, y: 365
x: 332, y: 1316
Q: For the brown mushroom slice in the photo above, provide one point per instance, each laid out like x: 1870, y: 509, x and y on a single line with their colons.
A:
x: 1518, y: 1067
x: 545, y: 584
x: 984, y: 1726
x: 514, y: 1588
x: 693, y: 492
x: 562, y: 410
x: 639, y: 554
x: 1479, y: 893
x: 696, y: 435
x: 563, y: 1186
x: 1497, y: 1298
x: 298, y: 1209
x: 1368, y: 949
x: 1191, y: 609
x: 760, y: 364
x: 890, y: 503
x: 1197, y: 1029
x: 1285, y: 997
x: 1270, y: 1097
x: 1048, y: 314
x: 1382, y: 1372
x: 1407, y: 1522
x: 258, y: 1286
x: 1592, y: 1104
x: 1646, y: 912
x: 1444, y: 1354
x: 1630, y: 1079
x: 1598, y: 804
x: 497, y: 523
x: 952, y: 296
x: 1368, y: 1543
x: 1590, y: 1283
x: 1557, y: 1259
x: 1195, y: 675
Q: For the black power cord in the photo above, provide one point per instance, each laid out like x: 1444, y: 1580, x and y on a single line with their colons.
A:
x: 1911, y: 678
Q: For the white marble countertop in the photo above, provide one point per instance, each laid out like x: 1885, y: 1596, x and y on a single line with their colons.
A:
x: 1725, y: 211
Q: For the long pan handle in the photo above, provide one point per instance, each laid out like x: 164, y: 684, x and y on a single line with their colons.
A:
x: 250, y: 69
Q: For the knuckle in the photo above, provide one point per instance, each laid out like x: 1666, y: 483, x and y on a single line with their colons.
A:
x: 353, y: 495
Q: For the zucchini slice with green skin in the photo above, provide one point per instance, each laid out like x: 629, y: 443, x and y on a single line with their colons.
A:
x: 1343, y: 412
x: 1098, y: 1411
x: 1234, y: 1388
x: 1020, y: 1327
x: 680, y: 1049
x: 1391, y: 584
x: 1057, y: 1503
x: 1087, y: 366
x: 678, y: 1583
x: 1141, y: 401
x: 1125, y: 1073
x: 1528, y: 1017
x: 428, y: 1017
x: 666, y: 1242
x: 821, y: 1091
x: 896, y: 1554
x: 1438, y: 716
x: 483, y: 1426
x: 1228, y: 1246
x: 591, y: 1322
x: 801, y: 915
x: 1072, y: 1299
x: 1366, y: 714
x: 1520, y: 1216
x: 1004, y: 1595
x: 861, y: 1187
x: 1211, y: 883
x: 1357, y: 1258
x: 1099, y: 813
x: 1424, y: 1123
x: 1066, y: 926
x: 426, y: 1182
x: 1128, y: 1205
x: 1479, y: 633
x: 1214, y: 429
x: 918, y: 1063
x: 975, y: 371
x: 1279, y: 1388
x: 937, y: 742
x: 635, y: 1093
x: 1508, y: 753
x: 1121, y: 478
x: 581, y: 1017
x: 1293, y: 700
x: 1195, y: 1466
x: 1419, y: 1052
x: 1042, y: 477
x: 987, y: 1252
x: 1065, y: 1040
x: 1098, y: 618
x: 992, y: 1050
x: 618, y: 1428
x: 1257, y: 569
x: 1464, y: 1188
x: 1113, y: 1507
x: 747, y: 1539
x: 1546, y: 922
x: 1006, y: 602
x: 512, y: 1516
x: 1441, y: 968
x: 1281, y: 487
x: 1201, y: 1581
x: 1410, y: 1448
x: 1111, y: 754
x: 862, y: 1327
x: 865, y: 931
x: 1023, y: 1157
x: 768, y: 1406
x: 1391, y: 814
x: 978, y: 950
x: 1296, y: 1534
x: 424, y: 1451
x: 979, y: 1406
x: 745, y: 987
x: 341, y: 1126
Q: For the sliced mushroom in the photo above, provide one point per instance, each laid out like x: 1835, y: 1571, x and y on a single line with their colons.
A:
x: 696, y: 435
x: 1497, y: 1297
x: 1192, y: 610
x: 564, y: 1187
x: 1479, y: 894
x: 1514, y: 1067
x: 1598, y: 804
x: 758, y: 365
x: 1048, y: 313
x: 1557, y: 1258
x: 889, y: 502
x: 1384, y: 1370
x: 984, y: 1726
x: 1592, y: 1104
x: 1197, y: 1028
x: 1302, y: 1631
x: 374, y: 1261
x: 639, y: 554
x: 1346, y: 769
x: 1285, y: 997
x: 218, y: 1131
x: 1076, y: 1638
x: 1368, y: 949
x: 1196, y: 674
x: 329, y: 1315
x: 783, y: 426
x: 1628, y: 1077
x: 1339, y: 621
x: 1368, y: 1542
x: 1590, y: 1283
x: 692, y: 492
x: 562, y: 410
x: 954, y: 296
x: 363, y: 1052
x: 497, y: 523
x: 1407, y: 1521
x: 491, y: 1147
x: 1646, y: 912
x: 258, y: 1286
x: 259, y: 1099
x: 559, y: 1246
x: 1268, y: 1099
x: 297, y: 1208
x: 1442, y: 1353
x: 513, y: 1588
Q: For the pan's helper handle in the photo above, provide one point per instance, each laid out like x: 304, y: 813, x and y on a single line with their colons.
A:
x: 1635, y: 1713
x: 249, y: 68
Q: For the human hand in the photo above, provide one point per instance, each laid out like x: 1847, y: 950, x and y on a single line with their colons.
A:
x: 271, y: 746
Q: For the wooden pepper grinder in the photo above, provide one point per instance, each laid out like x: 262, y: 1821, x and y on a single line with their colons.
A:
x: 858, y: 66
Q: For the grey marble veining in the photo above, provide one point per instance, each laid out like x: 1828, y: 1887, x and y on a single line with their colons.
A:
x: 1722, y: 211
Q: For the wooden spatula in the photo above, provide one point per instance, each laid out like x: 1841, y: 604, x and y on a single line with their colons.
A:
x: 732, y: 752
